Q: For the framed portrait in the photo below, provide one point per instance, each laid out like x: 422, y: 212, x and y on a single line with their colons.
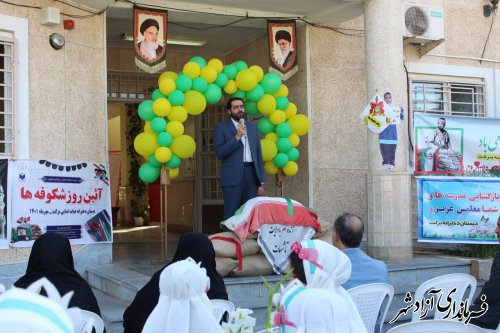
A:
x: 282, y: 45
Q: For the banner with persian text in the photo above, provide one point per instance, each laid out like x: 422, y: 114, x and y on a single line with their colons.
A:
x: 69, y: 198
x: 458, y: 209
x: 457, y: 145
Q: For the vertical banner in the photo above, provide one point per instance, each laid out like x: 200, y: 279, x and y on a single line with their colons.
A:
x: 458, y: 209
x: 150, y: 39
x: 4, y: 241
x: 282, y: 39
x: 69, y: 198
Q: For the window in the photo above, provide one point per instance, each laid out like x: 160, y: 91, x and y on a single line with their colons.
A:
x: 460, y: 99
x: 7, y: 75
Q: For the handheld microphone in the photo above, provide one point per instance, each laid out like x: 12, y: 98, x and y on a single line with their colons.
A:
x: 242, y: 121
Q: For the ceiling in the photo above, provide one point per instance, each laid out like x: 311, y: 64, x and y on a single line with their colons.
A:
x: 202, y: 19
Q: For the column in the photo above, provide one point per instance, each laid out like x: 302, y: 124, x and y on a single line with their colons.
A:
x: 388, y: 190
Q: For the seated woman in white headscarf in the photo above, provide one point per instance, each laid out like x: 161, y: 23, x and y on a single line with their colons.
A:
x: 183, y: 306
x: 315, y: 301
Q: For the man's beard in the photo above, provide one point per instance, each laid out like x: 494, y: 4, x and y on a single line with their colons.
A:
x: 149, y: 48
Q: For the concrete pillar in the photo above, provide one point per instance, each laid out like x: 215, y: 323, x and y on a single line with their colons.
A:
x: 389, y: 226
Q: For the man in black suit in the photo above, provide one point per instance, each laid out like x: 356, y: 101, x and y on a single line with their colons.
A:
x: 491, y: 318
x: 149, y: 47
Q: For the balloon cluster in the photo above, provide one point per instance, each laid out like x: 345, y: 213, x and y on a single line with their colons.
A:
x: 163, y: 142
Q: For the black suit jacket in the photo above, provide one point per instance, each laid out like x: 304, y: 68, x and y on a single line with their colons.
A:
x: 491, y: 318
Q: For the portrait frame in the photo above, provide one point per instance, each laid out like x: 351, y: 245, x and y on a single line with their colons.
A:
x: 276, y: 58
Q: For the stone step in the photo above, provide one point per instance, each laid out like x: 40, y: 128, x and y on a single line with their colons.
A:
x: 111, y: 311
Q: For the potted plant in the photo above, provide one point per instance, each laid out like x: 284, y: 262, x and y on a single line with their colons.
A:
x: 139, y: 202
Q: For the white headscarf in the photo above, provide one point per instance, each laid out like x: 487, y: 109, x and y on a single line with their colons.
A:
x: 183, y: 306
x: 323, y: 305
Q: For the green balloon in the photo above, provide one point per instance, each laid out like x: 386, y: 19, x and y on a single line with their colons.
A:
x: 164, y: 139
x: 199, y: 60
x: 153, y: 161
x: 281, y: 102
x: 183, y: 83
x: 221, y: 80
x: 283, y: 145
x: 280, y: 160
x: 264, y: 125
x: 284, y: 130
x: 199, y: 84
x: 145, y: 110
x: 239, y: 93
x: 148, y: 173
x: 251, y: 108
x: 256, y: 93
x: 230, y: 71
x: 157, y: 94
x: 240, y: 65
x: 174, y: 162
x: 271, y: 82
x: 158, y: 124
x: 293, y: 154
x: 213, y: 94
x: 176, y: 98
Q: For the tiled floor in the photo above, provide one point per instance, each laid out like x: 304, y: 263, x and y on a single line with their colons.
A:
x: 141, y: 248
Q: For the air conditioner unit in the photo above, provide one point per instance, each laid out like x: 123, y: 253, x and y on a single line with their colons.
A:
x: 424, y: 23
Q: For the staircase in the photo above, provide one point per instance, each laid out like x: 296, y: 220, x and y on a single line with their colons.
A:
x: 115, y: 287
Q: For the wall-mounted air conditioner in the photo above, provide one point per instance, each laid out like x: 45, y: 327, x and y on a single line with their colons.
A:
x: 424, y: 23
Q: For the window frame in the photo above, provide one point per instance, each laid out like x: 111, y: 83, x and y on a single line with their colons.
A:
x: 13, y: 108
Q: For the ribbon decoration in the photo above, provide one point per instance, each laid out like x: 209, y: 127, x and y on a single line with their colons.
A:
x: 238, y: 248
x: 308, y: 254
x: 280, y: 318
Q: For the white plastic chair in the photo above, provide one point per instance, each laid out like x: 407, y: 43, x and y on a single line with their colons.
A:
x: 219, y: 306
x: 446, y: 283
x: 274, y: 329
x: 91, y: 319
x: 369, y: 299
x: 435, y: 326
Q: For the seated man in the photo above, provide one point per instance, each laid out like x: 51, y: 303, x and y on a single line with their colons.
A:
x: 491, y: 318
x: 347, y: 234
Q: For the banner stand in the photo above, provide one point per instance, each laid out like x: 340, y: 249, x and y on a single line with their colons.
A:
x: 164, y: 182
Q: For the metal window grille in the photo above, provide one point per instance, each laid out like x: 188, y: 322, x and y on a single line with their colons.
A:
x: 448, y: 98
x: 7, y: 92
x: 130, y: 86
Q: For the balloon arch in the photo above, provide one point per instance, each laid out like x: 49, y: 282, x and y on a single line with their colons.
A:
x: 163, y: 142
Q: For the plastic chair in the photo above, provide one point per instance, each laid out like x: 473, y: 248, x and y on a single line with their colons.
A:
x: 446, y: 283
x: 91, y: 320
x: 435, y: 326
x: 274, y: 329
x: 369, y: 299
x: 219, y: 306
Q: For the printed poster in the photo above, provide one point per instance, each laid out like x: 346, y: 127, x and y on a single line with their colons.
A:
x: 69, y: 198
x: 4, y: 241
x: 454, y: 145
x: 458, y: 209
x: 282, y: 40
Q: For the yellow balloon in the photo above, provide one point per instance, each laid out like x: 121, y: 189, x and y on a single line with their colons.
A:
x: 163, y: 154
x: 230, y: 87
x: 191, y: 69
x: 272, y: 136
x: 168, y: 74
x: 270, y: 168
x: 294, y: 140
x: 282, y: 91
x: 178, y: 113
x: 267, y: 104
x: 291, y: 168
x: 300, y: 124
x: 269, y: 149
x: 173, y: 173
x: 145, y: 144
x: 246, y: 80
x: 147, y: 128
x: 183, y: 146
x: 216, y: 64
x: 291, y: 110
x: 166, y: 86
x: 161, y: 107
x: 175, y: 128
x: 209, y: 74
x: 194, y: 102
x: 277, y: 117
x: 257, y: 70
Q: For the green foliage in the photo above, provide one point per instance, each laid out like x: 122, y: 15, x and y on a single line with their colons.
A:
x: 139, y: 203
x: 482, y: 251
